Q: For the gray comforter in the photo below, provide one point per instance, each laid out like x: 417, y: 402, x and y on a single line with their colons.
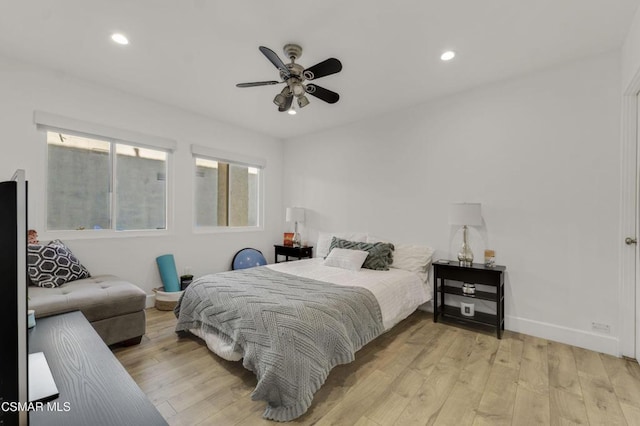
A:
x: 291, y: 331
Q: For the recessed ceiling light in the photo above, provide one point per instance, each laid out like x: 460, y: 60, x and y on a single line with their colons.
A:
x: 119, y: 38
x: 448, y: 55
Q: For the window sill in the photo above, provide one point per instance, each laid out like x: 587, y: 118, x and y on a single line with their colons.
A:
x: 101, y: 234
x: 226, y: 229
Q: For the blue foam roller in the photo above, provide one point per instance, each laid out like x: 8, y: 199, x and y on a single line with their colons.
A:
x: 168, y: 272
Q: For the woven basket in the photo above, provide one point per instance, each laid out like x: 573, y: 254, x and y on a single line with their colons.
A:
x: 166, y: 301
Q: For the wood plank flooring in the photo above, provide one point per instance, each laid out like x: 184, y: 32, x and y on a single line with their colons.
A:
x: 420, y: 373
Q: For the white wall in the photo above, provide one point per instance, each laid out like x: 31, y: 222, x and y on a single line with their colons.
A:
x: 540, y: 152
x: 630, y: 58
x: 24, y: 88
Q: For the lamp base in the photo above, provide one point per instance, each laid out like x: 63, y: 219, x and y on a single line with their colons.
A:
x: 465, y: 255
x: 296, y: 240
x: 296, y: 236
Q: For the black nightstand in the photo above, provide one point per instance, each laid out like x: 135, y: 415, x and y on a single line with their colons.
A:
x: 290, y: 251
x: 475, y: 274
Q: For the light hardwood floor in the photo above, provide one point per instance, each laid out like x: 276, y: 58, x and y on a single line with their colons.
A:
x: 419, y: 373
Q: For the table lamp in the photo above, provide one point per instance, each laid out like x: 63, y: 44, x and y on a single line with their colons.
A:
x: 295, y: 214
x: 465, y: 214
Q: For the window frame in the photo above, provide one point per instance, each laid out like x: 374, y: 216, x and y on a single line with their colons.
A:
x: 45, y: 123
x: 207, y: 153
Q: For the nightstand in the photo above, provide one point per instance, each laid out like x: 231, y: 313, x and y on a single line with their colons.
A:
x: 290, y: 251
x: 491, y: 280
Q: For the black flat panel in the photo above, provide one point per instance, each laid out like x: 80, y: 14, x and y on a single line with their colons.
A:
x: 8, y: 300
x: 478, y: 274
x: 483, y: 295
x: 294, y: 251
x: 479, y: 317
x: 290, y: 251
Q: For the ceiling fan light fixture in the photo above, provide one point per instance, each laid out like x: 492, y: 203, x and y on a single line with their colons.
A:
x: 303, y: 101
x: 279, y: 100
x: 292, y: 110
x: 298, y: 89
x: 448, y: 55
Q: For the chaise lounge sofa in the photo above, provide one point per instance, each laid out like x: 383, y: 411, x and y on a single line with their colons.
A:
x: 114, y: 307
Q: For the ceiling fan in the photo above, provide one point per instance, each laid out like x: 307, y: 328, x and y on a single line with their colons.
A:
x: 295, y: 75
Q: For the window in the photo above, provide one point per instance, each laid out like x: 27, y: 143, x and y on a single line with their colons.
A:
x: 98, y: 183
x: 227, y: 194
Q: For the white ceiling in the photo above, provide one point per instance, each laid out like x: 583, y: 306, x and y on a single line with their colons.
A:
x: 191, y: 53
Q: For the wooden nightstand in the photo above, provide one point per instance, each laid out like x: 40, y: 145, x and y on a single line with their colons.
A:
x: 490, y: 278
x: 290, y: 251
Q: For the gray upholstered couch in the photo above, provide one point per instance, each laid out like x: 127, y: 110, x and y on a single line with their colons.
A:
x: 114, y: 307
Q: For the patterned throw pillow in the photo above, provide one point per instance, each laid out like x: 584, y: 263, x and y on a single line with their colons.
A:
x: 53, y: 264
x: 380, y: 254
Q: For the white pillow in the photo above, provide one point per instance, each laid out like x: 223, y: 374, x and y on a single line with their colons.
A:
x: 346, y: 258
x: 324, y: 240
x: 413, y: 258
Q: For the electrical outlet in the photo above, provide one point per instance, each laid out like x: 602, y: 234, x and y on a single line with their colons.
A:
x: 601, y: 328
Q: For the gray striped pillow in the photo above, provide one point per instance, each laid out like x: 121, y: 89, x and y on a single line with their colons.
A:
x: 380, y: 254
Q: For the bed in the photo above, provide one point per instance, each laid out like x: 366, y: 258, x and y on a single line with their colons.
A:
x: 291, y: 323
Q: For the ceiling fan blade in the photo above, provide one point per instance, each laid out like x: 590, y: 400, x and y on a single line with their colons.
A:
x: 322, y: 69
x: 287, y: 104
x: 275, y: 60
x: 258, y: 83
x: 322, y: 93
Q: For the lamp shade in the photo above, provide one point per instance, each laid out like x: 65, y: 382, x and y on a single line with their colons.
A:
x: 295, y: 214
x: 465, y: 214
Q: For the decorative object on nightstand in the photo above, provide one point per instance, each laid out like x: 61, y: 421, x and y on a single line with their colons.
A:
x: 295, y: 214
x: 305, y: 252
x: 490, y: 283
x: 467, y: 309
x: 465, y: 214
x: 287, y: 239
x: 489, y: 258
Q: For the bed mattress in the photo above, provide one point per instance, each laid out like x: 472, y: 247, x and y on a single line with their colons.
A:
x: 397, y: 291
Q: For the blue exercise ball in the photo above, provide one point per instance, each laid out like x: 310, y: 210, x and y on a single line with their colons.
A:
x: 248, y: 258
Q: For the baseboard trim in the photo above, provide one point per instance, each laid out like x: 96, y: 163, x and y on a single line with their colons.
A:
x: 151, y: 301
x: 571, y: 336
